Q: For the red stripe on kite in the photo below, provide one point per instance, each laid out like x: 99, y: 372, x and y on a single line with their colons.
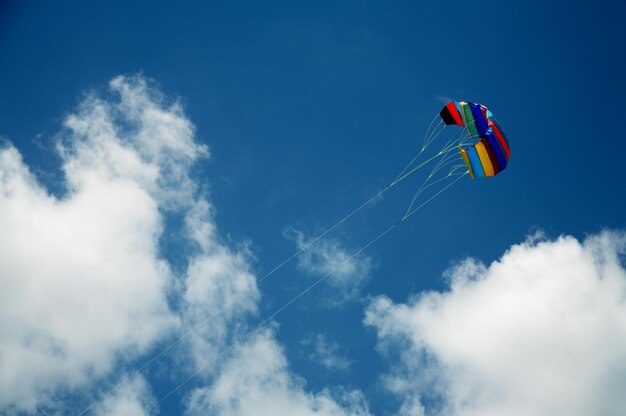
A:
x: 455, y: 113
x: 503, y: 142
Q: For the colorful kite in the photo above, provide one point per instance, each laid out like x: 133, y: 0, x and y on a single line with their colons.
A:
x: 488, y: 156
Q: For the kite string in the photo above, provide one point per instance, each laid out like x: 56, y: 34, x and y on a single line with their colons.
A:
x: 429, y: 138
x: 299, y: 295
x: 197, y: 327
x: 436, y: 131
x: 435, y: 195
x: 245, y: 291
x: 424, y: 145
x: 447, y: 160
x: 428, y: 141
x: 450, y: 145
x: 275, y: 313
x: 421, y: 165
x: 424, y: 188
x: 425, y: 185
x: 426, y: 136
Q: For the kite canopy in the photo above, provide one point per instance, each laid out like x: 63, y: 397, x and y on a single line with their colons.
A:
x: 488, y: 156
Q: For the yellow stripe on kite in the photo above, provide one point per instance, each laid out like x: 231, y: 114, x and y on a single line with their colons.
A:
x: 484, y: 159
x: 466, y: 160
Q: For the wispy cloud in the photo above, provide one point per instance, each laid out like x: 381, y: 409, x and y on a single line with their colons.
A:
x: 542, y: 331
x: 444, y: 99
x: 346, y: 274
x: 325, y: 352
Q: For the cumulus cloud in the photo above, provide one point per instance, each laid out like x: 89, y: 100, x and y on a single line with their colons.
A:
x: 133, y: 398
x: 138, y: 138
x: 82, y: 283
x: 256, y: 381
x: 541, y: 331
x: 86, y: 282
x: 220, y: 292
x: 346, y: 274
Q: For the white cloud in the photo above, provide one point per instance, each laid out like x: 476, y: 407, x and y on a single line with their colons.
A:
x: 84, y: 289
x: 542, y: 331
x: 326, y: 353
x: 220, y: 292
x: 139, y: 138
x: 81, y: 281
x: 256, y: 381
x: 133, y: 398
x: 411, y: 406
x: 346, y: 274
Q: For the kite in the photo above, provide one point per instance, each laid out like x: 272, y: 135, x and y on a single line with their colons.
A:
x: 482, y: 150
x: 488, y: 156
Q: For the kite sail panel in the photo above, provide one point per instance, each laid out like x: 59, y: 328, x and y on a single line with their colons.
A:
x: 489, y: 155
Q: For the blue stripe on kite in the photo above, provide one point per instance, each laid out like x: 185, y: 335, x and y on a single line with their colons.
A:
x: 497, y: 149
x: 477, y: 167
x: 458, y: 106
x: 501, y: 132
x: 479, y: 119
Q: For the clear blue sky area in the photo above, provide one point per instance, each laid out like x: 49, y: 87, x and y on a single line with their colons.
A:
x: 310, y: 108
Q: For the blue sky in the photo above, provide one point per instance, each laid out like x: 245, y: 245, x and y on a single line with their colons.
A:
x: 274, y: 120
